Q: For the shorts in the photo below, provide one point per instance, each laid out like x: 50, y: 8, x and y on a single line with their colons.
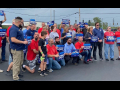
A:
x: 117, y: 44
x: 32, y: 64
x: 45, y: 60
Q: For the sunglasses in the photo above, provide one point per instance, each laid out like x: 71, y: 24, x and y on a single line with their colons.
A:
x: 97, y: 25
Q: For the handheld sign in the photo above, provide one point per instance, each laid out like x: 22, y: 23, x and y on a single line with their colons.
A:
x: 61, y: 56
x: 32, y: 21
x: 118, y: 39
x: 25, y: 50
x: 75, y: 53
x: 65, y: 21
x: 94, y: 39
x: 46, y: 40
x: 78, y: 35
x: 1, y: 13
x: 29, y: 38
x: 60, y: 48
x: 2, y: 32
x: 50, y: 23
x: 110, y: 38
x: 69, y: 35
x: 87, y: 47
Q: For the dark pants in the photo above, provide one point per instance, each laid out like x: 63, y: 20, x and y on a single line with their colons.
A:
x: 84, y: 54
x: 99, y: 45
x: 68, y: 58
x: 3, y: 53
x: 26, y: 51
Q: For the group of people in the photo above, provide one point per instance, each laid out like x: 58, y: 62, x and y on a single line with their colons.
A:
x: 43, y: 46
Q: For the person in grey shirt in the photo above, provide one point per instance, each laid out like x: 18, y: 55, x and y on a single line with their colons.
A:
x: 73, y: 33
x: 53, y: 34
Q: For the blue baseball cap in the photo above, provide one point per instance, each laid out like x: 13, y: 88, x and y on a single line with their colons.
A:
x: 86, y: 24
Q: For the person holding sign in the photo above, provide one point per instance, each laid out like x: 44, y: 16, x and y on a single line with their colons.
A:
x: 73, y: 33
x: 84, y: 30
x: 64, y: 38
x: 117, y: 35
x: 17, y: 45
x: 58, y: 31
x: 3, y: 20
x: 100, y: 34
x: 80, y: 45
x: 40, y: 29
x: 61, y: 28
x: 109, y: 42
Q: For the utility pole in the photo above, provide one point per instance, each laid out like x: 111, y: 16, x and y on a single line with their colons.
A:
x: 113, y: 22
x: 102, y: 23
x: 51, y: 14
x: 54, y: 16
x: 79, y: 14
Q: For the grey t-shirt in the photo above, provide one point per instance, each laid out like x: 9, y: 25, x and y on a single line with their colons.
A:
x: 53, y: 35
x: 73, y: 34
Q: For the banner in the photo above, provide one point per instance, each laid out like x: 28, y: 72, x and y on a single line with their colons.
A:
x: 94, y: 39
x: 110, y: 38
x: 60, y: 48
x: 75, y: 53
x: 1, y: 13
x: 118, y: 39
x: 32, y: 21
x: 65, y: 21
x: 61, y: 56
x: 78, y: 35
x: 87, y: 47
x: 50, y: 23
x: 69, y: 35
x: 2, y: 32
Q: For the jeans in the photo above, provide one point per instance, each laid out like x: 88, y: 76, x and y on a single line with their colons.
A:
x: 92, y: 44
x: 10, y: 59
x: 89, y: 54
x: 106, y: 47
x: 99, y: 45
x: 61, y: 62
x: 53, y: 64
x: 86, y: 56
x: 3, y: 53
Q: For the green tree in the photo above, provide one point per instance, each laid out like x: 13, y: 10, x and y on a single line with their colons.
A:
x: 4, y: 27
x: 105, y: 25
x: 97, y: 19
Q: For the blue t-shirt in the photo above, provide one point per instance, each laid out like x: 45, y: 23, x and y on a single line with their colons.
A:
x: 62, y: 30
x: 18, y: 34
x: 30, y: 33
x: 24, y: 32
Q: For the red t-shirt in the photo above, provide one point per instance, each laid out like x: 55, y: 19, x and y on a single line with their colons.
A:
x: 30, y: 54
x: 0, y: 42
x: 51, y: 50
x: 117, y: 34
x: 74, y: 29
x: 108, y: 34
x: 79, y: 45
x: 8, y: 31
x: 81, y: 32
x: 40, y: 30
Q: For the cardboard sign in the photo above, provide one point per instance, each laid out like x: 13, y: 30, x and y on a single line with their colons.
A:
x: 32, y: 21
x: 69, y: 35
x: 50, y: 23
x: 118, y: 39
x: 94, y: 39
x: 75, y: 53
x: 78, y: 35
x: 2, y: 32
x: 29, y: 38
x: 65, y: 21
x: 87, y: 47
x: 1, y: 13
x: 110, y: 38
x: 60, y: 48
x: 61, y: 56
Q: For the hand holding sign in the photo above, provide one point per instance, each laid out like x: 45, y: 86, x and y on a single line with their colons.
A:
x: 25, y: 42
x: 110, y: 39
x: 2, y: 13
x: 65, y: 21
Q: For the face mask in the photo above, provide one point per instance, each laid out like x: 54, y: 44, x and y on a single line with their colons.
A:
x: 36, y: 39
x: 58, y: 42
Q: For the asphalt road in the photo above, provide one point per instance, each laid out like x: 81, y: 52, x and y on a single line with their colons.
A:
x: 96, y: 71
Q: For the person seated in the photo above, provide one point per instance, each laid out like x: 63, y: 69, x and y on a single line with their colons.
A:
x: 80, y: 45
x: 68, y: 51
x: 52, y: 55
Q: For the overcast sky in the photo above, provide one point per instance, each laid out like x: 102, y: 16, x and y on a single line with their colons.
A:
x: 62, y: 13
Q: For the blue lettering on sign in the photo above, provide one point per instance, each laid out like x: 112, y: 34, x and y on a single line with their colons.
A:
x: 65, y: 21
x: 29, y: 38
x: 32, y: 21
x: 75, y: 53
x: 60, y: 48
x: 50, y: 23
x: 2, y: 32
x: 69, y: 35
x: 46, y: 40
x: 94, y: 39
x: 110, y: 39
x: 1, y: 13
x: 87, y: 47
x: 78, y: 35
x: 61, y: 56
x: 118, y: 39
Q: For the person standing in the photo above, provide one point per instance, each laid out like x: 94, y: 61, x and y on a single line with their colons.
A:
x: 58, y: 31
x: 110, y: 44
x: 100, y: 34
x: 25, y: 30
x: 40, y: 29
x: 17, y: 45
x: 84, y: 30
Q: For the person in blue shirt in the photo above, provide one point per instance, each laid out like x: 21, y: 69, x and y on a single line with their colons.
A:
x: 68, y: 51
x: 25, y: 30
x: 17, y: 45
x: 100, y: 34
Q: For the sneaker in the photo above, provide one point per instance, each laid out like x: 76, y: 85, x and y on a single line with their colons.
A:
x: 95, y: 59
x: 45, y: 74
x: 1, y: 70
x: 5, y: 60
x: 86, y: 62
x: 50, y: 70
x: 39, y: 71
x: 23, y: 69
x: 42, y: 74
x: 75, y: 64
x: 107, y: 59
x: 20, y: 76
x: 101, y: 59
x: 18, y: 80
x: 112, y: 59
x: 8, y: 73
x: 118, y: 58
x: 90, y: 59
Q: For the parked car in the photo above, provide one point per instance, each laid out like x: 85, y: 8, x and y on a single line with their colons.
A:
x: 114, y: 30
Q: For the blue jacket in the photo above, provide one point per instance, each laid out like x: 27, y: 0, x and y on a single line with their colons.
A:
x: 98, y: 32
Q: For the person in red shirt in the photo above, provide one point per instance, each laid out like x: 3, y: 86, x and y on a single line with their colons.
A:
x: 110, y: 44
x: 58, y: 31
x: 75, y: 27
x: 40, y: 29
x: 80, y: 45
x: 52, y: 55
x: 32, y: 54
x: 117, y: 34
